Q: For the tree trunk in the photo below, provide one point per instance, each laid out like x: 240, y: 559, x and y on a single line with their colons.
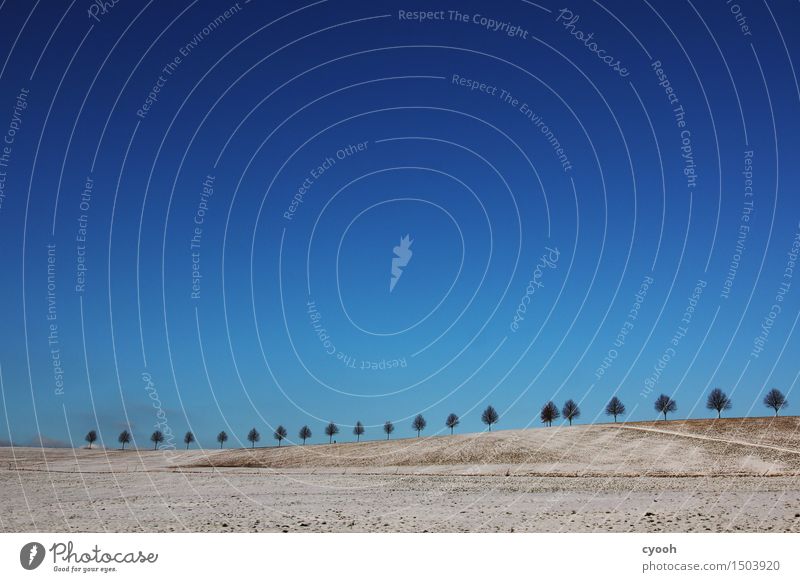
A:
x: 451, y: 430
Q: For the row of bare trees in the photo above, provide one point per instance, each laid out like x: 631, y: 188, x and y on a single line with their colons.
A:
x: 717, y: 400
x: 156, y: 438
x: 489, y: 417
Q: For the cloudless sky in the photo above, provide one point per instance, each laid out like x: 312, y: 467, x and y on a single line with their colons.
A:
x: 601, y: 198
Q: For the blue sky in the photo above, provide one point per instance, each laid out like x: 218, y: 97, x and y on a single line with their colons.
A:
x: 254, y: 165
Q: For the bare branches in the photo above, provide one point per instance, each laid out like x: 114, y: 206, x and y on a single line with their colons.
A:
x: 452, y: 421
x: 775, y: 400
x: 90, y: 437
x: 157, y: 438
x: 253, y: 436
x: 280, y: 434
x: 419, y: 424
x: 549, y: 413
x: 358, y: 430
x: 615, y: 408
x: 719, y: 401
x: 665, y: 404
x: 305, y: 433
x: 571, y: 410
x: 490, y: 416
x: 330, y: 430
x: 124, y: 438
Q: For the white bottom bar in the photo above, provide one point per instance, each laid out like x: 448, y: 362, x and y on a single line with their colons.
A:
x: 403, y: 557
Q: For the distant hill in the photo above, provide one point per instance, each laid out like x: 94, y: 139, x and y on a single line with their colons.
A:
x: 736, y: 446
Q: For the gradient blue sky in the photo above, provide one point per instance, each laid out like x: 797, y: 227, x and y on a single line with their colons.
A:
x: 262, y: 99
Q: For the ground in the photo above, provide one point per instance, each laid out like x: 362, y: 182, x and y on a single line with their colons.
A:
x: 676, y: 476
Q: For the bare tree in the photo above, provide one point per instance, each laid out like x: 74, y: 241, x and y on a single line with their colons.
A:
x: 775, y: 400
x: 305, y: 433
x: 719, y: 401
x: 358, y: 430
x: 90, y: 437
x: 571, y: 410
x: 388, y: 428
x: 615, y: 408
x: 124, y: 438
x: 549, y: 413
x: 490, y: 416
x: 331, y: 430
x: 221, y: 438
x: 157, y: 438
x: 188, y: 439
x: 419, y: 423
x: 253, y: 436
x: 665, y: 404
x: 452, y: 421
x: 280, y: 434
